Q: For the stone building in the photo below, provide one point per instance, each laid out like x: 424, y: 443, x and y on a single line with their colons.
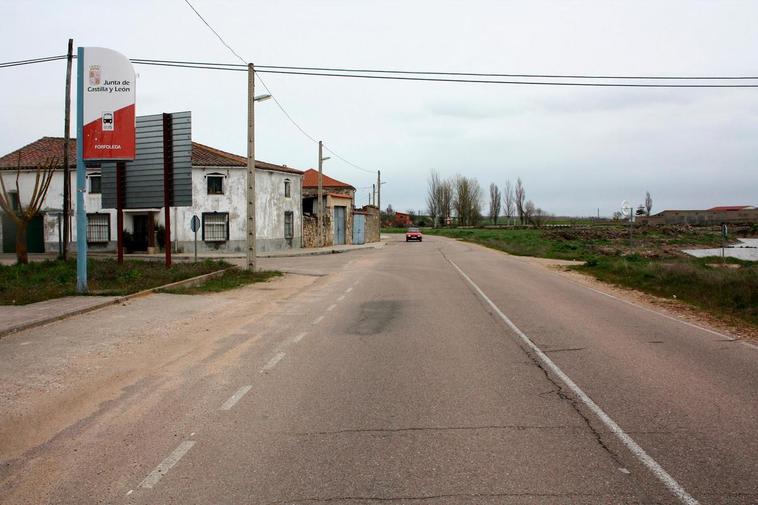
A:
x: 338, y: 201
x: 732, y: 214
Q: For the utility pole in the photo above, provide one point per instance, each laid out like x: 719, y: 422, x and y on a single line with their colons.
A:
x: 66, y: 140
x: 320, y: 220
x: 251, y: 167
x: 379, y: 189
x: 373, y: 192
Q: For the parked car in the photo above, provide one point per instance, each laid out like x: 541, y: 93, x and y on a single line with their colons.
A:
x: 413, y: 234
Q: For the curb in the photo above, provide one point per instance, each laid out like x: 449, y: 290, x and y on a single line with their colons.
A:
x: 42, y: 322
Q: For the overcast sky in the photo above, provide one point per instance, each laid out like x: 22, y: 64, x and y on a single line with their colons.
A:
x: 576, y: 149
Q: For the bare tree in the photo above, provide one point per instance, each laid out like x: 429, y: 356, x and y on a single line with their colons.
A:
x: 433, y: 196
x: 446, y: 201
x: 520, y: 194
x: 494, y: 202
x: 20, y: 214
x: 509, y: 205
x: 528, y: 212
x: 539, y: 217
x: 648, y: 202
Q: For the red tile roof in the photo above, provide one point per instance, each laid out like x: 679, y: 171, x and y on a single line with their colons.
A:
x: 41, y: 151
x: 340, y: 195
x: 310, y: 180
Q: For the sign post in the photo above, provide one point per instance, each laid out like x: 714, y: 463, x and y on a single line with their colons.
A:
x: 105, y: 127
x: 194, y: 226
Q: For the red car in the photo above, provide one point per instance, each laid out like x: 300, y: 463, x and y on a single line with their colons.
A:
x: 413, y: 234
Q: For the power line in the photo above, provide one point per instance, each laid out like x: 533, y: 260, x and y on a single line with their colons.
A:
x: 215, y: 32
x: 32, y: 61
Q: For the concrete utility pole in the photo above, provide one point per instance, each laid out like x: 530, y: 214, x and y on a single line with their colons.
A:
x: 373, y: 192
x: 66, y: 140
x: 320, y: 220
x: 379, y: 189
x: 250, y: 167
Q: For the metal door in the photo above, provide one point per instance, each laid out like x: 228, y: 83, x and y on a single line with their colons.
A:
x: 359, y: 229
x: 339, y: 225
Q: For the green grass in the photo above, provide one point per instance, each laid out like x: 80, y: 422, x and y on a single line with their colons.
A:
x: 230, y: 279
x: 38, y: 281
x: 652, y: 262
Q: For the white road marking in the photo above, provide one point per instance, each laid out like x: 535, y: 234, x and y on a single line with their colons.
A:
x: 172, y: 459
x: 272, y: 362
x: 129, y: 492
x: 341, y: 298
x: 331, y: 307
x: 192, y: 434
x: 625, y: 439
x: 318, y: 319
x: 299, y: 337
x: 348, y: 289
x: 750, y: 345
x: 24, y: 343
x: 232, y: 401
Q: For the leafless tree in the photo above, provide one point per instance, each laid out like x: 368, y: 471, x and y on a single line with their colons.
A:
x: 528, y: 212
x: 433, y: 193
x: 539, y: 217
x: 23, y: 214
x: 446, y: 201
x: 648, y: 202
x: 467, y: 200
x: 520, y: 194
x: 494, y: 202
x: 509, y: 205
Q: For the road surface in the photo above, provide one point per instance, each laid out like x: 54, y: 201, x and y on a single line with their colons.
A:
x: 427, y: 373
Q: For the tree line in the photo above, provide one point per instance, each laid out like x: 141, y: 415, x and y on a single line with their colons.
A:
x: 461, y: 197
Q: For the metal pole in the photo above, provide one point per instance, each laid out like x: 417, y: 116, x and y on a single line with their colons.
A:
x: 81, y: 179
x: 320, y: 217
x: 195, y: 246
x: 120, y: 190
x: 379, y: 189
x: 66, y: 139
x: 168, y: 183
x: 373, y: 192
x: 251, y: 252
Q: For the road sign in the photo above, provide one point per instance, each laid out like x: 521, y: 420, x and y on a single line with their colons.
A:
x: 107, y: 88
x: 724, y: 231
x: 195, y: 223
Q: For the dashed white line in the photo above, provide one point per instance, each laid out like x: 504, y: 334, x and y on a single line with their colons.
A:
x: 331, y: 307
x: 232, y: 401
x: 318, y: 319
x: 172, y: 459
x: 652, y: 465
x: 129, y: 492
x: 299, y: 337
x: 349, y: 289
x: 273, y: 361
x: 341, y: 298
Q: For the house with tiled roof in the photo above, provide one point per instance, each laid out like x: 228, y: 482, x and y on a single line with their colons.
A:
x: 338, y: 203
x: 218, y: 199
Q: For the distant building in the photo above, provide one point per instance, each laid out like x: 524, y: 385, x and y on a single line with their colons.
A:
x: 402, y: 219
x: 338, y: 204
x: 733, y: 214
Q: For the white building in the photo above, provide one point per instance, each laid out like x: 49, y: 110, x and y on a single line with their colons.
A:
x: 218, y: 187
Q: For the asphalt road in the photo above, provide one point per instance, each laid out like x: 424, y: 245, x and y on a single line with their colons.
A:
x: 435, y: 372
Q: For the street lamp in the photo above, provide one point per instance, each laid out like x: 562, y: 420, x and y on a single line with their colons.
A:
x: 251, y: 164
x: 320, y: 217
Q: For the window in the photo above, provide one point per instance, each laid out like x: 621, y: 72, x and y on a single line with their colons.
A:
x: 215, y: 226
x: 287, y: 189
x: 98, y: 228
x: 95, y: 184
x: 288, y: 224
x: 15, y: 203
x: 215, y: 184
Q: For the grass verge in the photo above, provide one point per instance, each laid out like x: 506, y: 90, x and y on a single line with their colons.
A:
x: 652, y: 262
x: 38, y: 281
x: 230, y: 279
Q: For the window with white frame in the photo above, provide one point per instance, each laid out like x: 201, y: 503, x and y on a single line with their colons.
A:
x: 289, y: 228
x: 287, y: 188
x: 98, y: 228
x: 95, y: 184
x: 215, y: 226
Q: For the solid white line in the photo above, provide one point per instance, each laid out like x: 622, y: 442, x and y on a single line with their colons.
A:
x: 750, y: 345
x: 341, y: 298
x: 318, y: 319
x: 630, y: 444
x: 299, y: 337
x: 273, y: 361
x: 232, y: 401
x: 172, y: 459
x: 331, y: 307
x: 348, y: 290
